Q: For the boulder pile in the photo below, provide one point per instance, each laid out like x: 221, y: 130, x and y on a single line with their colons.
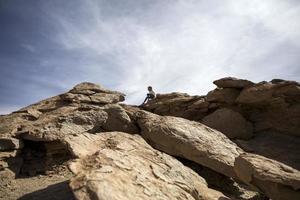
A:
x: 240, y: 141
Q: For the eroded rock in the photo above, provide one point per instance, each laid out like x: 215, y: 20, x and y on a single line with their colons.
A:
x: 231, y: 82
x: 191, y: 140
x: 126, y: 167
x: 229, y: 122
x: 276, y: 180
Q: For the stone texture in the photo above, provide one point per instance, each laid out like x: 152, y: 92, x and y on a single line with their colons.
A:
x: 126, y: 167
x: 276, y: 180
x: 191, y: 140
x: 276, y: 146
x: 226, y: 95
x: 229, y: 122
x: 231, y: 82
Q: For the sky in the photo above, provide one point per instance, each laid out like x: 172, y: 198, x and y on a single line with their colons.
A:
x: 47, y: 47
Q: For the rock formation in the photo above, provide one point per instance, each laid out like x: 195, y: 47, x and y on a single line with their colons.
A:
x: 177, y: 146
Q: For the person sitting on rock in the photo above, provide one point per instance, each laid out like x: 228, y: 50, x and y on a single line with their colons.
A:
x: 150, y: 95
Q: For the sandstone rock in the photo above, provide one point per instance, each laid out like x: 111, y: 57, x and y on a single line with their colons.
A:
x: 276, y: 146
x: 126, y: 167
x: 58, y: 124
x: 229, y: 122
x: 276, y: 180
x: 87, y: 86
x: 226, y: 95
x: 259, y: 94
x: 83, y: 144
x: 191, y: 140
x: 231, y: 82
x: 118, y: 120
x: 283, y: 119
x: 10, y: 144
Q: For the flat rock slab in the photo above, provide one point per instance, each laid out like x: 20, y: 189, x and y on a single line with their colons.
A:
x: 126, y: 167
x: 231, y: 82
x: 191, y: 140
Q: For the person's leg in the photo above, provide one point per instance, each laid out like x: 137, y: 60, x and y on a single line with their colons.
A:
x: 146, y: 99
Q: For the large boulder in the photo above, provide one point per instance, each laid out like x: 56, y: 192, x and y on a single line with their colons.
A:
x: 126, y: 167
x: 229, y: 122
x: 231, y: 82
x: 226, y: 95
x: 276, y: 180
x: 191, y: 140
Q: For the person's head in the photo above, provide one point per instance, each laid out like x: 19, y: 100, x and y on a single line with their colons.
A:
x: 149, y: 88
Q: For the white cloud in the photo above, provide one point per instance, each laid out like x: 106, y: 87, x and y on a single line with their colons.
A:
x: 184, y: 45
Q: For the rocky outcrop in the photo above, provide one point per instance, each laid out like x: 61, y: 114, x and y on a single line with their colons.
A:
x: 229, y: 122
x: 270, y: 106
x: 126, y: 167
x: 276, y: 180
x: 191, y: 140
x: 231, y: 82
x: 89, y: 124
x: 226, y: 95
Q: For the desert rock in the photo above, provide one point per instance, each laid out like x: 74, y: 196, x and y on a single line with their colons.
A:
x: 229, y: 122
x: 126, y: 167
x: 191, y: 140
x: 276, y: 180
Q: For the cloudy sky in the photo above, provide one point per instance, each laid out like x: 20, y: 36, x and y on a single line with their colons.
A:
x: 46, y: 47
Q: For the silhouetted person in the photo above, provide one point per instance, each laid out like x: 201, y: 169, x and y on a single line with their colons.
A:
x: 150, y: 95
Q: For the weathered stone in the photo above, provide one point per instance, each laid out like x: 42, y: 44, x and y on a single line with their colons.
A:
x: 276, y: 180
x: 226, y: 95
x: 10, y: 144
x: 229, y: 122
x: 118, y: 120
x: 126, y: 167
x: 231, y: 82
x: 276, y: 146
x: 257, y: 95
x: 191, y: 140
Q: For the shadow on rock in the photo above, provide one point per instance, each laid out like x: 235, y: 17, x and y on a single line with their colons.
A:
x: 58, y: 191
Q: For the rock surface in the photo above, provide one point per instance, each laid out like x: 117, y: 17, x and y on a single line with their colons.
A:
x: 42, y: 138
x: 229, y: 122
x: 276, y: 180
x: 126, y: 167
x: 231, y: 82
x: 191, y: 140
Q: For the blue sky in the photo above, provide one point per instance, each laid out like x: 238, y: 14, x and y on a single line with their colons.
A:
x: 46, y: 47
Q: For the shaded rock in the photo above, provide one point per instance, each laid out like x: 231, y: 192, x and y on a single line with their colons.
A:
x: 276, y: 180
x: 118, y: 120
x: 10, y: 144
x: 229, y: 122
x: 126, y: 167
x: 191, y: 140
x: 283, y: 120
x: 259, y: 94
x: 231, y: 82
x: 276, y: 146
x: 226, y: 95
